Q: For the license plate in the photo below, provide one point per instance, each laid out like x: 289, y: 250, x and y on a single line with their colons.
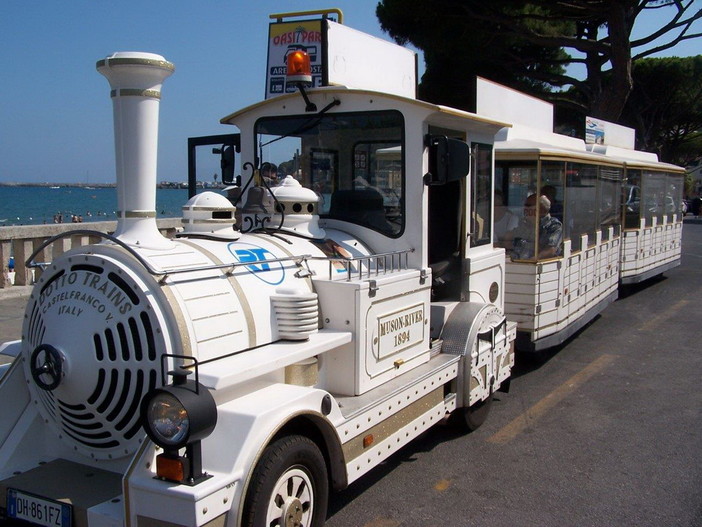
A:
x: 39, y: 511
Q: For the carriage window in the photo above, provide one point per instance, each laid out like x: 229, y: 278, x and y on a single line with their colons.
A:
x: 631, y: 201
x: 581, y: 198
x: 514, y: 182
x: 481, y: 197
x: 653, y: 196
x: 353, y: 161
x: 610, y: 205
x: 552, y: 178
x: 674, y: 196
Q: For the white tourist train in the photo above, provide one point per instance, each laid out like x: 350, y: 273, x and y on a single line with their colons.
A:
x: 284, y: 344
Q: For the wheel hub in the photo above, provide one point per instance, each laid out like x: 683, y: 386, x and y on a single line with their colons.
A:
x: 292, y: 512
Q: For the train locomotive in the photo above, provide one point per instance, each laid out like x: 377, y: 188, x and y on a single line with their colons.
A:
x: 276, y: 348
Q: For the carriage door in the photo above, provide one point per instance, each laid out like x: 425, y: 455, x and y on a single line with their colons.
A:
x: 446, y: 233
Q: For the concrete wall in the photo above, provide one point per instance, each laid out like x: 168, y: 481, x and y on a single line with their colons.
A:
x: 20, y: 241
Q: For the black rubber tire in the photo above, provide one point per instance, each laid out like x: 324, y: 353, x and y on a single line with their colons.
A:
x: 295, y: 463
x: 469, y: 419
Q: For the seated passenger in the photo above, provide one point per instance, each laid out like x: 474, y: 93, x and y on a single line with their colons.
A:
x: 550, y: 232
x: 505, y: 220
x: 269, y: 173
x: 556, y: 209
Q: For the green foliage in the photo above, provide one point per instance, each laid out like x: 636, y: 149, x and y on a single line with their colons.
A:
x: 457, y: 48
x: 665, y: 107
x: 526, y: 45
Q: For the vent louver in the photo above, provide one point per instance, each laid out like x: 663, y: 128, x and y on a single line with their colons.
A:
x: 104, y: 326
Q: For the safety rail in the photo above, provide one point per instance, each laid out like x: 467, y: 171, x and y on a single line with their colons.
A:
x: 21, y: 240
x: 28, y: 270
x: 162, y: 273
x: 374, y: 264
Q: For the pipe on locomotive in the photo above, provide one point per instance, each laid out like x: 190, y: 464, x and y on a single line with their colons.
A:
x: 135, y: 81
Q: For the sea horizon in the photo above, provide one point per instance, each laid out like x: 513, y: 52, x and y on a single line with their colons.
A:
x: 37, y: 204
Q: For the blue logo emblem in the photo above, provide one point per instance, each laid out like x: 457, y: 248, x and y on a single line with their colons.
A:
x: 272, y: 273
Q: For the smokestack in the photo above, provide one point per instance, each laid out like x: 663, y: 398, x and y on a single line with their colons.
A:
x: 135, y: 79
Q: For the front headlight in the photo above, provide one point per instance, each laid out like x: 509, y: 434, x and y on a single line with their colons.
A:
x: 178, y: 414
x: 167, y: 419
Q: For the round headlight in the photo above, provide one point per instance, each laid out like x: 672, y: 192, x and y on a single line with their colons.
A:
x: 176, y: 415
x: 167, y: 419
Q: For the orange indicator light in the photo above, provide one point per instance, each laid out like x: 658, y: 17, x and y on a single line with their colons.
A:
x: 299, y: 68
x: 170, y: 468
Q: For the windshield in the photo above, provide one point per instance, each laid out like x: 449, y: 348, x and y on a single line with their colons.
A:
x: 352, y: 161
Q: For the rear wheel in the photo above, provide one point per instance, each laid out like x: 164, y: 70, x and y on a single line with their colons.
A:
x: 470, y: 419
x: 289, y: 487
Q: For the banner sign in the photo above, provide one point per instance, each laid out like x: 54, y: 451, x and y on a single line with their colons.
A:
x: 594, y: 131
x: 283, y: 39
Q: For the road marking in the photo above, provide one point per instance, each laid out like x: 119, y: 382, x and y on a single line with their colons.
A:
x: 442, y: 485
x: 527, y: 418
x: 668, y: 313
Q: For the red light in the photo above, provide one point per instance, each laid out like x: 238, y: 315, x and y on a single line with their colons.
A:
x: 299, y: 68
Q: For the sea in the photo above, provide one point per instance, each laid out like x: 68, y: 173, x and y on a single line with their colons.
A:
x: 36, y: 205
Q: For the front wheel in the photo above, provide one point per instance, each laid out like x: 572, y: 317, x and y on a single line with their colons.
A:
x: 289, y: 487
x: 470, y: 419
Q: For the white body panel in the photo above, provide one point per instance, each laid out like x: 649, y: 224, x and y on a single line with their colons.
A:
x: 650, y: 250
x: 549, y: 296
x: 359, y: 60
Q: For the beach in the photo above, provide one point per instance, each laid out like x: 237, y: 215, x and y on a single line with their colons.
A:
x: 36, y: 205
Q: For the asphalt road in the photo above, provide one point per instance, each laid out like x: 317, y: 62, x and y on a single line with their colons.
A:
x: 604, y: 431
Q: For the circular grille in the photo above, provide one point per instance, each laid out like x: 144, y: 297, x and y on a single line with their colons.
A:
x: 99, y: 317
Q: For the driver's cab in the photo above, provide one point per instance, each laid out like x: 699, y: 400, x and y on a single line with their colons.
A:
x: 397, y: 173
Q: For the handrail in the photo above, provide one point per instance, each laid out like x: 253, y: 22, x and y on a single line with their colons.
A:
x: 376, y: 258
x: 278, y: 17
x: 374, y: 263
x: 80, y: 232
x: 152, y: 270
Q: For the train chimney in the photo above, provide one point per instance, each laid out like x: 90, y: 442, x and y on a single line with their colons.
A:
x: 135, y: 79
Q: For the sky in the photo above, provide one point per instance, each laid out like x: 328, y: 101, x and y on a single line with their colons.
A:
x: 55, y: 109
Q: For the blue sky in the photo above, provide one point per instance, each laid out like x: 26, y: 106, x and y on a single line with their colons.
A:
x: 56, y: 114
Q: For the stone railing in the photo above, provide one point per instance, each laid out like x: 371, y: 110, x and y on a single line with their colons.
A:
x: 21, y: 241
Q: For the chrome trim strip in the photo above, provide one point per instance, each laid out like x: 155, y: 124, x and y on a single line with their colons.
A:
x: 126, y: 61
x: 135, y: 92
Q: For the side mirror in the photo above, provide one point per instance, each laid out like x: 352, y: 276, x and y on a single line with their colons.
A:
x: 227, y: 164
x: 449, y: 160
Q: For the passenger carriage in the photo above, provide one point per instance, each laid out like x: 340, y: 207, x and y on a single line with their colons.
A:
x: 652, y: 215
x: 619, y: 212
x: 553, y: 297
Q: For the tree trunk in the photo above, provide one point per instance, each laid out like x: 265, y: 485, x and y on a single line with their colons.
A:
x: 615, y: 90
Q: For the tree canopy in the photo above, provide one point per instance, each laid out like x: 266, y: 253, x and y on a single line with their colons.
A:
x: 528, y: 45
x: 665, y: 107
x: 456, y: 49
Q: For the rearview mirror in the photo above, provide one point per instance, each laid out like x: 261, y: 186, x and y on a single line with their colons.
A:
x: 449, y: 160
x: 227, y: 165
